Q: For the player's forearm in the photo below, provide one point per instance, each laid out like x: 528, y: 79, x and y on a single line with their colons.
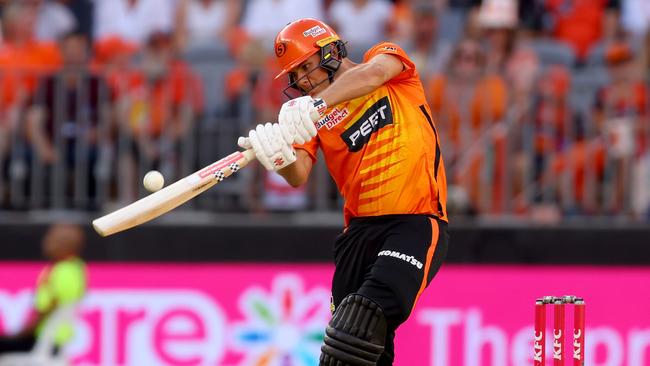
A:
x: 297, y: 173
x: 361, y: 80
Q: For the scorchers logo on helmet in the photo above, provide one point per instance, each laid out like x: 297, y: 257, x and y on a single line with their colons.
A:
x: 280, y: 49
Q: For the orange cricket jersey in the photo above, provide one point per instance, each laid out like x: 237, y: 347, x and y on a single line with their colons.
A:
x: 382, y: 149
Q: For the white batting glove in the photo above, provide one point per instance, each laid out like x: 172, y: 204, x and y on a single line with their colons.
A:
x: 272, y: 147
x: 298, y: 117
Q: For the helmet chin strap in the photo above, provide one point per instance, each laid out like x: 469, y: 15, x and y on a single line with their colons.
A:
x: 328, y: 61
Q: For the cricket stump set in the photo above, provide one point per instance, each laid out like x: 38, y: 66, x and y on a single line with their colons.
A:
x: 559, y: 349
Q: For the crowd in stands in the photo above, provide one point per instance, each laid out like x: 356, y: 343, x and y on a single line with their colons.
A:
x: 541, y: 105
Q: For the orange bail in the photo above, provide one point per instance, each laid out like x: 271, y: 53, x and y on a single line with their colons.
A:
x: 300, y: 39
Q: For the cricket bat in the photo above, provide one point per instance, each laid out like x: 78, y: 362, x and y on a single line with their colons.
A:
x: 172, y: 196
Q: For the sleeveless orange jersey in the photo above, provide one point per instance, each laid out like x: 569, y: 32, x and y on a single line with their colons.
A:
x: 382, y: 149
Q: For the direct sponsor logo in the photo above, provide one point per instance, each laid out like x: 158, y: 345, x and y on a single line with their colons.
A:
x: 314, y: 31
x: 390, y: 48
x: 333, y: 118
x: 407, y: 258
x: 377, y: 116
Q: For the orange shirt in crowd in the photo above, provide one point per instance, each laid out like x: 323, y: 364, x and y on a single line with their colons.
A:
x: 153, y: 104
x: 382, y: 148
x: 578, y: 22
x: 487, y: 105
x: 584, y: 161
x: 20, y: 68
x: 552, y: 113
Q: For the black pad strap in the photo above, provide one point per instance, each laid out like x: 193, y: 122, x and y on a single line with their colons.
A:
x: 356, y: 334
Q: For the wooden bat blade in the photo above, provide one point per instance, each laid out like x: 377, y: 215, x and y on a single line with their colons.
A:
x: 172, y: 196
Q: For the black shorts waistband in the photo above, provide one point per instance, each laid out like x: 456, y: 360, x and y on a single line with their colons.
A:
x: 386, y: 218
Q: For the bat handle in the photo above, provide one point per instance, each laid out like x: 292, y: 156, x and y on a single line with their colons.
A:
x: 249, y: 155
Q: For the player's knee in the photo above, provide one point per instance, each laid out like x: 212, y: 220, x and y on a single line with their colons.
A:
x: 356, y: 334
x: 394, y: 296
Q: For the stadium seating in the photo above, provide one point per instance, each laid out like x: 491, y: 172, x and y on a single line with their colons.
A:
x: 552, y: 52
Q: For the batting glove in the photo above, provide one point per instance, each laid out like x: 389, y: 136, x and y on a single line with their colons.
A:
x: 271, y: 146
x: 298, y: 117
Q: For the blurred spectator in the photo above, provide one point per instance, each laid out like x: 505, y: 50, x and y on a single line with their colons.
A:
x: 621, y: 118
x: 22, y: 60
x: 132, y: 20
x: 61, y: 283
x: 506, y: 55
x: 428, y: 50
x: 361, y: 22
x: 201, y: 22
x: 626, y: 96
x: 551, y: 122
x: 22, y: 57
x: 521, y: 73
x: 583, y: 23
x: 263, y: 19
x: 68, y: 108
x: 468, y: 105
x: 54, y: 19
x: 497, y: 22
x: 114, y: 59
x: 157, y: 111
x: 574, y: 176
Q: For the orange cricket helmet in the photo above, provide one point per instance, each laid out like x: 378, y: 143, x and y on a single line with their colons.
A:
x: 302, y: 38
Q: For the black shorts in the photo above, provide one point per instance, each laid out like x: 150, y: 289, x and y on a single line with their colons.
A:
x: 390, y: 259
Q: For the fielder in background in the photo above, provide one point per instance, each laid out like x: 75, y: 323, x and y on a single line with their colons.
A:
x: 61, y: 283
x: 381, y: 147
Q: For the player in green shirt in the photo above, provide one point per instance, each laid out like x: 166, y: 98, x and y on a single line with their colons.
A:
x: 61, y: 283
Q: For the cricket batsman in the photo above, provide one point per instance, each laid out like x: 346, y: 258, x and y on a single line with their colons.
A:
x: 381, y: 147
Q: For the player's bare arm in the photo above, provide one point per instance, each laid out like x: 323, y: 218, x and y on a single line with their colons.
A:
x: 362, y: 79
x: 297, y: 173
x: 353, y: 82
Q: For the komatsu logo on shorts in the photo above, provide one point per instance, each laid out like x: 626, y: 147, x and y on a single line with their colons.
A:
x: 407, y: 258
x: 313, y: 31
x: 377, y: 116
x: 333, y: 118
